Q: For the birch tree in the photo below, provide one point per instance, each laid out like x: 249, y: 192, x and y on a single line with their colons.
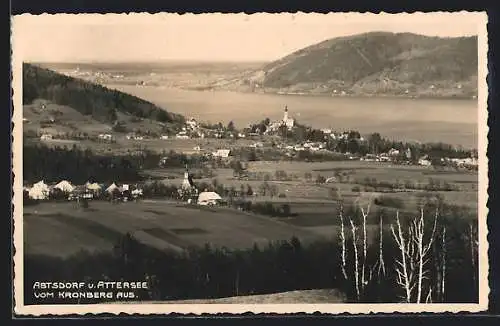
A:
x: 412, y: 265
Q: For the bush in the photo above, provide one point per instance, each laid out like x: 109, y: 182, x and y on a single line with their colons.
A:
x: 320, y: 179
x: 389, y: 202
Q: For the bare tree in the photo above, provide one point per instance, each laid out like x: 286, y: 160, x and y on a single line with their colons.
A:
x: 380, y: 262
x: 343, y: 243
x: 356, y: 259
x: 412, y: 267
x: 402, y: 269
x: 473, y: 244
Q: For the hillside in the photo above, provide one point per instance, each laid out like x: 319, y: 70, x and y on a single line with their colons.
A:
x: 61, y: 230
x: 376, y: 63
x: 289, y: 297
x: 89, y: 99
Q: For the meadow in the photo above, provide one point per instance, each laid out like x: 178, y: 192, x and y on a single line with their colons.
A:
x: 62, y: 229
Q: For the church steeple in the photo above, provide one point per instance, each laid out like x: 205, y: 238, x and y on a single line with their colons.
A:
x: 285, y: 115
x: 186, y: 183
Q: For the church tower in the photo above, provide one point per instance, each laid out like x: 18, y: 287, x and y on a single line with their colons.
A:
x: 186, y: 183
x: 285, y: 115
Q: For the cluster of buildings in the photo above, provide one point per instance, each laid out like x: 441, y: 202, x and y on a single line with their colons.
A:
x: 305, y: 146
x: 43, y: 191
x: 187, y: 191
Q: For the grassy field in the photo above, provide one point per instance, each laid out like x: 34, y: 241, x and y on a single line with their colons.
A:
x: 299, y: 190
x: 62, y: 229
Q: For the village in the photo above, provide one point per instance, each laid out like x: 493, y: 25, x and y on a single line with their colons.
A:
x: 278, y: 136
x: 265, y: 135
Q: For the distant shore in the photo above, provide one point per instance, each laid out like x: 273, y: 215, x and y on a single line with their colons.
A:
x: 312, y: 94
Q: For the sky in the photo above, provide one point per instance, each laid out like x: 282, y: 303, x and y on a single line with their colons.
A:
x: 208, y: 37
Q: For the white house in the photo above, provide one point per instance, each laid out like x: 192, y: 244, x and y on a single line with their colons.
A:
x: 222, y: 153
x: 331, y: 179
x: 164, y: 137
x: 208, y: 198
x: 112, y: 188
x: 424, y: 161
x: 105, y: 136
x: 93, y: 186
x: 182, y: 135
x: 46, y: 137
x: 39, y: 191
x: 65, y: 186
x: 136, y: 193
x: 393, y: 152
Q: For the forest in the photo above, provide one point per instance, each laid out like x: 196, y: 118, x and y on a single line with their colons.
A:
x: 81, y: 165
x: 389, y: 268
x: 88, y: 98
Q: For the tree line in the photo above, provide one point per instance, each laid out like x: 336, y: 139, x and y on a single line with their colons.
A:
x: 78, y: 165
x: 88, y: 98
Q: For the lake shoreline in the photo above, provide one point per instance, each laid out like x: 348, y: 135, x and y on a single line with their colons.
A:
x: 357, y: 96
x: 202, y: 89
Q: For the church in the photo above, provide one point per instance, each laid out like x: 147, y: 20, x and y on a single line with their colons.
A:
x: 286, y: 121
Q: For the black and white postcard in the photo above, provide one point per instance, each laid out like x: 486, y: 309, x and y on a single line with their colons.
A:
x: 266, y: 163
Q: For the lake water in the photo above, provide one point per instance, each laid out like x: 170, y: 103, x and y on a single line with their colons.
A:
x: 425, y: 120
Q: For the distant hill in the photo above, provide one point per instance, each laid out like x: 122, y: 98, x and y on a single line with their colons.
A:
x: 376, y: 63
x: 89, y: 99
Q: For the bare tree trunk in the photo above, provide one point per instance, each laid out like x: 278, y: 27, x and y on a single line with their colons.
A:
x: 381, y: 269
x: 342, y: 239
x: 363, y: 276
x: 402, y: 268
x: 237, y: 282
x: 473, y: 254
x: 443, y: 264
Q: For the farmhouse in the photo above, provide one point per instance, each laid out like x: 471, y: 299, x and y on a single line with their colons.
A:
x: 65, y: 186
x: 222, y: 153
x: 209, y: 198
x: 95, y: 187
x: 393, y: 152
x: 80, y: 192
x: 113, y: 187
x: 105, y: 136
x: 424, y: 161
x: 182, y: 135
x: 46, y: 137
x: 136, y: 193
